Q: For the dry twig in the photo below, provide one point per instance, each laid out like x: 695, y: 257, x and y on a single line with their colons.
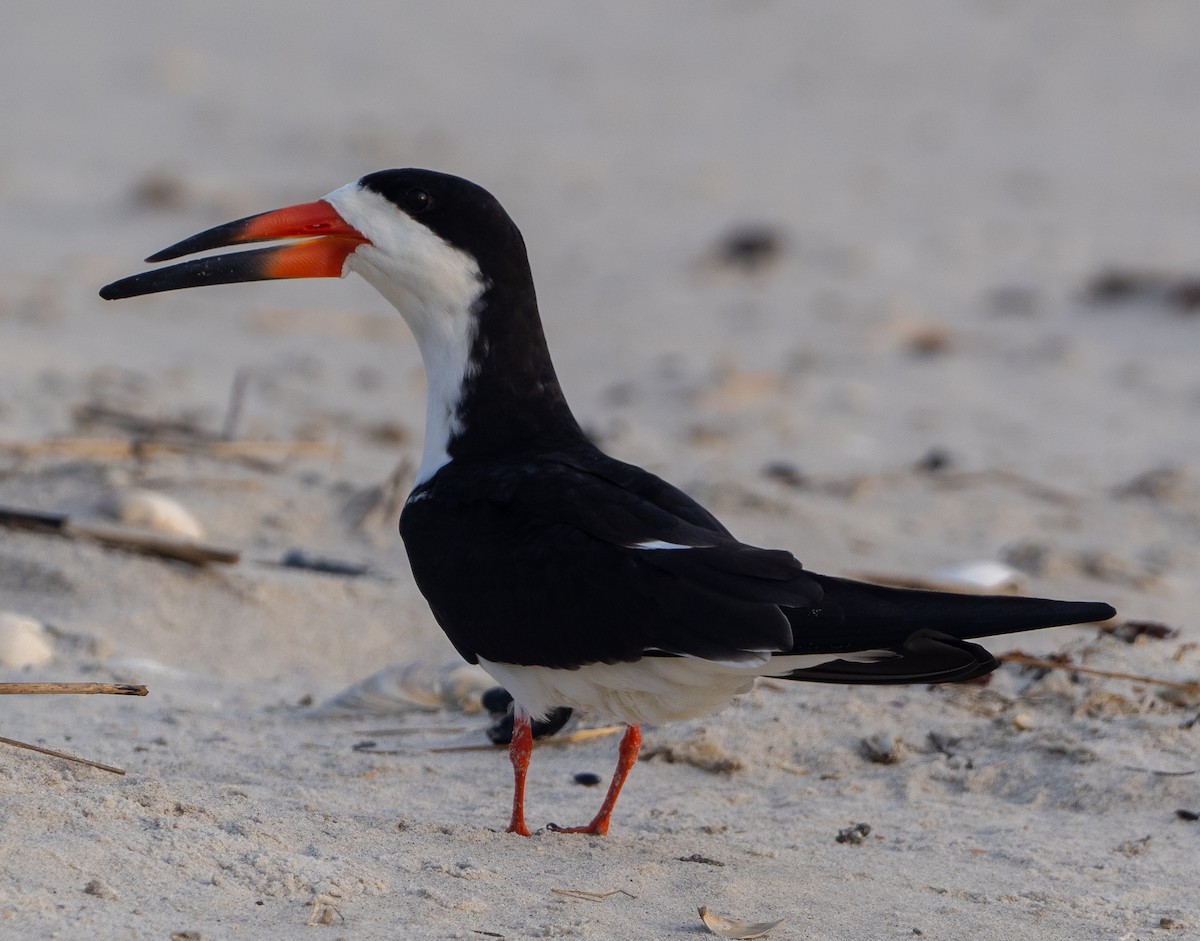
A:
x: 121, y: 537
x: 61, y: 754
x: 574, y: 738
x: 591, y: 896
x: 1024, y: 659
x: 110, y: 689
x: 105, y: 449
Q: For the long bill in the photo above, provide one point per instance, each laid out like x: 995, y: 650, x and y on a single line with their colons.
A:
x: 328, y: 240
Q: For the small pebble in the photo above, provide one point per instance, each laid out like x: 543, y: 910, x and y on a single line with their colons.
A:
x: 1035, y: 558
x: 854, y: 835
x: 1135, y: 847
x: 883, y: 749
x: 750, y: 247
x: 934, y: 460
x: 785, y: 473
x: 1157, y: 483
x: 1133, y: 631
x: 160, y: 190
x: 1184, y: 814
x: 1177, y: 292
x: 387, y: 434
x: 101, y: 889
x: 299, y: 559
x: 703, y: 860
x: 928, y: 339
x: 587, y: 778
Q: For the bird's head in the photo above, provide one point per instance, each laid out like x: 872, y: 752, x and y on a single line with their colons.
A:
x: 444, y: 252
x: 431, y: 243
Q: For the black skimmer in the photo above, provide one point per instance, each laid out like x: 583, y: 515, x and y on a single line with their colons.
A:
x: 575, y: 579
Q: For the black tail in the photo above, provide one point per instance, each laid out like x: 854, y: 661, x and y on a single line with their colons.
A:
x: 925, y: 630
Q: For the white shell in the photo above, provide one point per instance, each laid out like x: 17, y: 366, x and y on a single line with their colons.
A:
x: 421, y: 685
x: 986, y: 574
x: 152, y: 510
x: 728, y: 928
x: 23, y: 641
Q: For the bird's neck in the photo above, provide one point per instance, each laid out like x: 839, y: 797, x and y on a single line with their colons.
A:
x: 492, y: 390
x: 510, y: 402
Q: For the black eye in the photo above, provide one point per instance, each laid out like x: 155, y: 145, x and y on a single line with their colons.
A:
x: 417, y: 200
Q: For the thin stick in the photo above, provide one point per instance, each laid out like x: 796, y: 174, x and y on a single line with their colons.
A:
x: 444, y: 749
x: 111, y: 689
x: 591, y: 896
x: 1019, y: 656
x: 114, y: 449
x: 417, y: 730
x: 579, y: 735
x: 584, y: 735
x: 170, y: 547
x: 61, y: 754
x: 237, y: 396
x: 122, y: 537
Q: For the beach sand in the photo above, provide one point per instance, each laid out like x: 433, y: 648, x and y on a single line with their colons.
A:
x: 967, y: 333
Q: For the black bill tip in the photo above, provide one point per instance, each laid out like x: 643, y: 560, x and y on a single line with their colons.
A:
x: 200, y: 272
x: 120, y: 289
x: 220, y: 236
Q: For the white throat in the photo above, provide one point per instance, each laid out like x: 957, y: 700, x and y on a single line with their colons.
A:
x: 435, y: 286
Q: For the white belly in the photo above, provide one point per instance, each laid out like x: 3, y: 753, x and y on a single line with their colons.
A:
x: 651, y: 690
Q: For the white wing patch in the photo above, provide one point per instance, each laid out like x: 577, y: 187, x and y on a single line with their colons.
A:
x: 659, y: 544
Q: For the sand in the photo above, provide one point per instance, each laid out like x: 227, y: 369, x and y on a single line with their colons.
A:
x: 917, y: 373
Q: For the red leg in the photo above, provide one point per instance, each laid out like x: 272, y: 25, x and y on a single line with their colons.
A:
x: 518, y: 753
x: 631, y: 744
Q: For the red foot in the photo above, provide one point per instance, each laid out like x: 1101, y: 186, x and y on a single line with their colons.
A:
x: 597, y: 827
x: 631, y: 744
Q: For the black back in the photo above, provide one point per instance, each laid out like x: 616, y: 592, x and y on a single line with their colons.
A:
x: 532, y: 547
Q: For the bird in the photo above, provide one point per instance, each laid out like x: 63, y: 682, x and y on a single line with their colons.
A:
x: 573, y: 578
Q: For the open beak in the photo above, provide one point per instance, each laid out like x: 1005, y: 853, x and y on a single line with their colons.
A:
x: 328, y: 241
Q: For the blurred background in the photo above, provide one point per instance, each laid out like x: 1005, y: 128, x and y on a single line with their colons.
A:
x: 946, y: 166
x: 783, y: 250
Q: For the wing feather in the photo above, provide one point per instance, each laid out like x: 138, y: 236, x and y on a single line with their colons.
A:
x: 521, y: 547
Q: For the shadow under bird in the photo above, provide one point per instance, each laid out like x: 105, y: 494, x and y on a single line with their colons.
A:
x: 573, y: 578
